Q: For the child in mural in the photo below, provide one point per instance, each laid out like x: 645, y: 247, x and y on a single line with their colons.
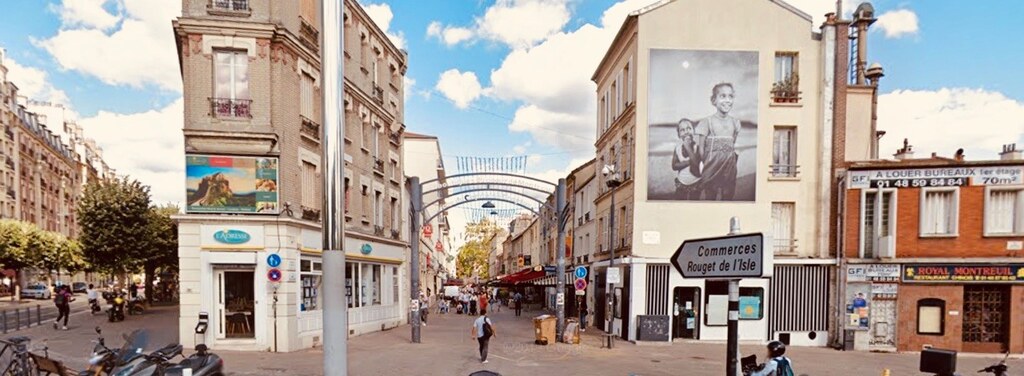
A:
x: 716, y: 142
x: 686, y: 163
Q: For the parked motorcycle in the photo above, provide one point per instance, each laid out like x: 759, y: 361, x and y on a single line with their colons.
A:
x: 104, y: 359
x: 152, y: 364
x: 998, y: 369
x: 202, y: 363
x: 135, y: 306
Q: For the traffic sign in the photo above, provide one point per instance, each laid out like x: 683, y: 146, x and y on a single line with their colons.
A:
x: 274, y: 260
x: 581, y: 271
x: 734, y: 256
x: 581, y: 284
x: 274, y: 275
x: 550, y: 269
x: 613, y: 276
x: 560, y: 299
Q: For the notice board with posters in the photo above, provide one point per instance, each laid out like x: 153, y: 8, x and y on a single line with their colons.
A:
x: 652, y: 327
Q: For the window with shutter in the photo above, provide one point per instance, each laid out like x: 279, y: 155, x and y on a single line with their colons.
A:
x: 1004, y: 209
x: 939, y: 211
x: 784, y: 152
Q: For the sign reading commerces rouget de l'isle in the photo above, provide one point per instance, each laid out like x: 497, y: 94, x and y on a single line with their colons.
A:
x: 945, y: 273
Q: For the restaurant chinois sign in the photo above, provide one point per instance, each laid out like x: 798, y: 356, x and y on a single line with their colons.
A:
x: 981, y: 273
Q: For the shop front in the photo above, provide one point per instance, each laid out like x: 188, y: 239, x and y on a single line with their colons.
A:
x: 963, y: 307
x: 870, y: 313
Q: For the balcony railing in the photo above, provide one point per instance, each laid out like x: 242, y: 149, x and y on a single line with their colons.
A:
x: 10, y: 162
x: 395, y: 138
x: 230, y: 108
x: 787, y: 90
x: 378, y: 94
x: 785, y: 170
x: 395, y: 234
x: 784, y: 246
x: 378, y: 166
x: 378, y: 230
x: 9, y: 133
x: 11, y: 193
x: 310, y: 129
x: 310, y: 214
x: 232, y: 5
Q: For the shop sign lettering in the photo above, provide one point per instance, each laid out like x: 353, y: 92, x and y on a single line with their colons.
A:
x: 231, y: 236
x: 1013, y: 273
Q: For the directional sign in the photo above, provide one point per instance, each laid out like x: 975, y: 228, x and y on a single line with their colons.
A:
x: 274, y: 260
x: 550, y: 269
x: 581, y: 272
x: 274, y: 275
x: 581, y: 284
x: 735, y: 256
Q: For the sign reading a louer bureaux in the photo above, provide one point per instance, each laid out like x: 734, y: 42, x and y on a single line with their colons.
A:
x: 735, y: 256
x: 936, y: 177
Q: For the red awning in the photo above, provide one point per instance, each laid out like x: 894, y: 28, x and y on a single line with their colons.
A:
x: 523, y: 276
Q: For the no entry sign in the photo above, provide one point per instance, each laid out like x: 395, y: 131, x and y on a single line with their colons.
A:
x: 734, y: 256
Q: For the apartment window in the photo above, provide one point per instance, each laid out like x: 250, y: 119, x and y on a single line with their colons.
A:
x: 306, y: 96
x: 378, y: 212
x: 231, y: 84
x: 629, y: 82
x: 877, y: 224
x: 939, y: 211
x: 367, y: 204
x: 931, y: 316
x: 396, y: 214
x: 237, y: 5
x: 783, y: 214
x: 309, y: 185
x: 787, y: 79
x: 1004, y: 209
x: 527, y: 260
x: 601, y: 117
x: 615, y: 102
x: 308, y: 10
x: 376, y: 141
x: 784, y: 152
x: 367, y: 136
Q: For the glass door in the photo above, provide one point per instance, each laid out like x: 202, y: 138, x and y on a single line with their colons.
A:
x: 986, y: 315
x: 235, y: 303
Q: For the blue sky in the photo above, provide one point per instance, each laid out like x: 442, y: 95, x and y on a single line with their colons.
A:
x: 504, y: 77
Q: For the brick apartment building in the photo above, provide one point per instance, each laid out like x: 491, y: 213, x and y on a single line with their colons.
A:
x: 934, y: 253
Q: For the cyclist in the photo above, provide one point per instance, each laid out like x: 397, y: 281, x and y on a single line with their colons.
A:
x: 777, y: 364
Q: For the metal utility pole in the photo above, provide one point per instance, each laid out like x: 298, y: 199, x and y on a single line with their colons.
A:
x: 732, y: 351
x: 416, y: 198
x: 612, y: 183
x: 335, y: 315
x: 560, y: 207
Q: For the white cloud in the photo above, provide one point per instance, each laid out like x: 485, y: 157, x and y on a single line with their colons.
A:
x: 557, y: 93
x: 945, y: 120
x: 34, y: 83
x: 410, y: 83
x: 381, y: 15
x: 450, y: 35
x: 147, y: 146
x: 86, y: 13
x: 140, y: 52
x: 521, y: 148
x: 552, y: 175
x: 898, y: 23
x: 462, y: 88
x: 516, y: 23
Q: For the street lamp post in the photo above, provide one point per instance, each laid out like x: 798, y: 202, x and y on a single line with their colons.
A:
x: 613, y: 182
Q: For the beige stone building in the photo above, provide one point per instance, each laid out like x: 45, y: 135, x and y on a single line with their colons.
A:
x: 727, y: 116
x: 252, y: 93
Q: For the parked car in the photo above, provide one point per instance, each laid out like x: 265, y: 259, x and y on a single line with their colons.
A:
x: 37, y: 291
x: 79, y: 287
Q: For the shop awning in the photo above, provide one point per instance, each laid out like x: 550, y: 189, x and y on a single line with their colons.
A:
x: 521, y: 277
x: 552, y: 280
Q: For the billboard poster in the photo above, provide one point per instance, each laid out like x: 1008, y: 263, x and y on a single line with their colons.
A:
x: 230, y: 184
x: 702, y: 125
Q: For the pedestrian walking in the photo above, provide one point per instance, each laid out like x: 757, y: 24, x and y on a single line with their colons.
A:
x: 63, y: 301
x: 483, y: 301
x: 483, y: 331
x: 583, y: 313
x: 517, y: 300
x: 424, y: 307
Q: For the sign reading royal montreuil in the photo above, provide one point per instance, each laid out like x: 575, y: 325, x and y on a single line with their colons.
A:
x: 986, y: 273
x: 231, y: 236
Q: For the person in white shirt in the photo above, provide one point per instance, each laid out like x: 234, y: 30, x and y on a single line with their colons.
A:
x: 479, y: 334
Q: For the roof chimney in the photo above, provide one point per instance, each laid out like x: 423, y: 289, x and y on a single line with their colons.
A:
x: 959, y: 156
x: 906, y: 152
x: 1010, y: 153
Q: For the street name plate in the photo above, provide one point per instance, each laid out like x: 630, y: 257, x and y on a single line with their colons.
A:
x: 736, y: 256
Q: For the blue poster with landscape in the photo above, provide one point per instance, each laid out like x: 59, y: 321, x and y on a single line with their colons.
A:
x: 229, y: 184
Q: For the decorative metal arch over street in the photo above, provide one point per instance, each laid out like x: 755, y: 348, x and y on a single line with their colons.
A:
x: 515, y: 189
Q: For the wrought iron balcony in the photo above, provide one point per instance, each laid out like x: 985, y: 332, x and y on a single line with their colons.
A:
x: 784, y: 246
x: 785, y: 170
x: 378, y: 94
x: 310, y: 129
x: 232, y: 5
x: 231, y: 108
x: 395, y: 234
x: 378, y: 166
x: 11, y: 193
x: 10, y: 162
x: 9, y: 133
x: 378, y: 230
x: 311, y: 214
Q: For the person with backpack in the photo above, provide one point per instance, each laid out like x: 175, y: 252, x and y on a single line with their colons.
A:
x: 63, y: 301
x: 483, y: 331
x: 777, y: 364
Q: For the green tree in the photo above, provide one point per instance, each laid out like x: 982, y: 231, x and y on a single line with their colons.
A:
x: 114, y: 215
x: 56, y: 253
x: 473, y: 255
x: 12, y: 249
x: 161, y: 250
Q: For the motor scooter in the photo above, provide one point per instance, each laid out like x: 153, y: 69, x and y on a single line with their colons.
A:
x: 104, y: 359
x: 135, y: 306
x: 94, y: 306
x: 998, y: 369
x: 116, y: 310
x: 152, y: 364
x: 202, y: 363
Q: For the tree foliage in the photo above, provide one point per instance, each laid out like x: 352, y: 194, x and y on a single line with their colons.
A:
x: 114, y: 215
x: 161, y: 251
x: 22, y: 245
x: 474, y: 254
x: 13, y: 239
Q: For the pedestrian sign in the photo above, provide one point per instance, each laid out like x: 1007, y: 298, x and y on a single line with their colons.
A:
x: 581, y: 272
x: 274, y: 260
x: 580, y: 284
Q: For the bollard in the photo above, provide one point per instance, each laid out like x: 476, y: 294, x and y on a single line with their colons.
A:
x: 17, y: 319
x: 28, y: 317
x: 885, y: 372
x: 39, y: 315
x: 3, y: 314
